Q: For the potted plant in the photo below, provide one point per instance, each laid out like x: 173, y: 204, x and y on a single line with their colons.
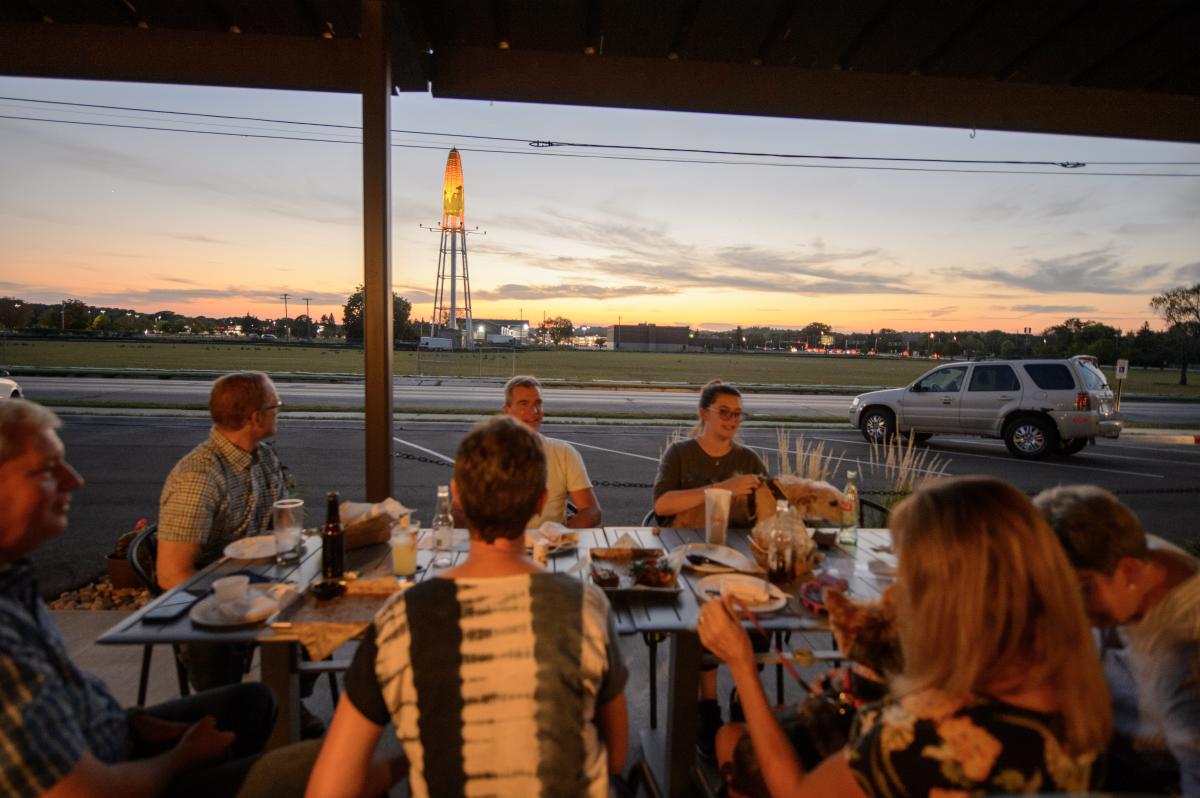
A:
x: 120, y: 572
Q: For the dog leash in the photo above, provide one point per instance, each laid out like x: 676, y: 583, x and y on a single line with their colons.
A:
x: 786, y: 660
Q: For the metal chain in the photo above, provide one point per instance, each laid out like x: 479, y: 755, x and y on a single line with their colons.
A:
x: 422, y: 459
x: 605, y: 483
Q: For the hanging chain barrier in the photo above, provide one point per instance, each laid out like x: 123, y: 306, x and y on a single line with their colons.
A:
x: 607, y: 483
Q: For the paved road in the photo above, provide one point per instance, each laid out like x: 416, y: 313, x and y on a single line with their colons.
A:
x: 435, y: 393
x: 124, y: 461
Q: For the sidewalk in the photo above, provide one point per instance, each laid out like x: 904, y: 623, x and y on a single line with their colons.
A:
x: 1162, y: 435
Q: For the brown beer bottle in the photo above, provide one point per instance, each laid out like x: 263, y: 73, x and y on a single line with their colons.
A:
x: 333, y: 541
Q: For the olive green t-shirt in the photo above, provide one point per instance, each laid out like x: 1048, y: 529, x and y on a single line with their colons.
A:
x: 686, y: 465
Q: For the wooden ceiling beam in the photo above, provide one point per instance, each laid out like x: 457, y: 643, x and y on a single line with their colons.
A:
x: 621, y: 82
x: 175, y: 56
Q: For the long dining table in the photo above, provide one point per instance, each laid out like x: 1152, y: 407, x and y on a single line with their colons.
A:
x: 669, y: 749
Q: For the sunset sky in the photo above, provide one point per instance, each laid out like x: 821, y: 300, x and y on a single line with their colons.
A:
x: 224, y: 225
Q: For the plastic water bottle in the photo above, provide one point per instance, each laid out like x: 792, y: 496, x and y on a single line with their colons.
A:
x: 779, y: 545
x: 848, y: 534
x: 443, y: 528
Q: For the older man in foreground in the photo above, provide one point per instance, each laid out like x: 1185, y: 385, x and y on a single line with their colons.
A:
x: 62, y: 733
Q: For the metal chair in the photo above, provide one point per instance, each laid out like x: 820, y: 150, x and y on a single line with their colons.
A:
x: 873, y: 512
x: 141, y: 554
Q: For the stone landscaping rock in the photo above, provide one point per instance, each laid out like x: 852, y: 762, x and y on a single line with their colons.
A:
x: 102, y: 596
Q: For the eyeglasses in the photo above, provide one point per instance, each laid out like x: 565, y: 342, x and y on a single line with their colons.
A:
x: 730, y: 415
x: 278, y: 404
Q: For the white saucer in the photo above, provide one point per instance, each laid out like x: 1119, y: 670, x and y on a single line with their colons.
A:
x: 257, y: 606
x: 254, y: 548
x: 777, y: 601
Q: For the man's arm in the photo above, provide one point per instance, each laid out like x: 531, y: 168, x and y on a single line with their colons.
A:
x: 176, y: 562
x: 613, y: 721
x: 345, y: 766
x: 587, y: 509
x: 145, y: 777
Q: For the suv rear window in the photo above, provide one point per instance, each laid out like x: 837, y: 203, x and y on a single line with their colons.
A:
x: 1093, y: 377
x: 994, y: 378
x: 1050, y: 376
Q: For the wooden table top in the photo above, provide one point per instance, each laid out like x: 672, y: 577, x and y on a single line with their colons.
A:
x: 632, y: 612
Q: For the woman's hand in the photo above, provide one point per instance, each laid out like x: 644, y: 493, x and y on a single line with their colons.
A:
x: 722, y: 633
x: 741, y: 485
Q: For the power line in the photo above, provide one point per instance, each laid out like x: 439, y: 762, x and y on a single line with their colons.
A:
x: 645, y: 148
x: 698, y: 161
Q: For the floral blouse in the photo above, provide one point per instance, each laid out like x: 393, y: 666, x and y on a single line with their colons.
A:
x: 928, y: 744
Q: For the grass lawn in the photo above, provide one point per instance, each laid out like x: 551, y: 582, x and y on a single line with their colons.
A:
x: 571, y: 366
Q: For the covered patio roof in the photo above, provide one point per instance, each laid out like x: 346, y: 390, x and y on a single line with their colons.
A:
x: 1082, y: 67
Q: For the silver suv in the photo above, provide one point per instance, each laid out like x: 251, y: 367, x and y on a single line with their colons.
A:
x: 1038, y: 406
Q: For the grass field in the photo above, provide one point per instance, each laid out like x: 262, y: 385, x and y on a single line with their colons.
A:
x: 624, y: 368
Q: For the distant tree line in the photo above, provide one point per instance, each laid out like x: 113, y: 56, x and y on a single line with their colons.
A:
x: 1178, y: 345
x: 74, y: 316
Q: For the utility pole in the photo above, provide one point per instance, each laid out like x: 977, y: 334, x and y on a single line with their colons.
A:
x: 308, y: 316
x: 64, y: 315
x: 288, y: 328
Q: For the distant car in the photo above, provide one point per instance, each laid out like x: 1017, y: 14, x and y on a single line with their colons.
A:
x: 9, y: 389
x: 1038, y: 407
x: 270, y: 337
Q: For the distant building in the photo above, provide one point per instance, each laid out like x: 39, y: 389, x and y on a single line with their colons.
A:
x: 649, y: 338
x: 501, y: 331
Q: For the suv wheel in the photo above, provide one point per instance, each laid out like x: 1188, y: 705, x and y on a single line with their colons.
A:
x: 878, y: 425
x: 1072, y: 446
x: 1031, y: 437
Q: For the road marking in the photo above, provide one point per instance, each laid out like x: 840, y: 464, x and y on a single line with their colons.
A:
x: 615, y: 451
x: 423, y: 449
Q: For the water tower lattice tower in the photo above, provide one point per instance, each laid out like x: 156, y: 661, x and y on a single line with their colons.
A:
x: 451, y: 309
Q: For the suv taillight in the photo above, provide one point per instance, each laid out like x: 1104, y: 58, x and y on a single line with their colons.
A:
x: 1082, y: 401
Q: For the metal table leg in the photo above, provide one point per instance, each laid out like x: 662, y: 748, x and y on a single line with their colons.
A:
x: 671, y: 752
x: 280, y: 673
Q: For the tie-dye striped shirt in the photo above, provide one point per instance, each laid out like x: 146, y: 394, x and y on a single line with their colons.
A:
x: 493, y: 684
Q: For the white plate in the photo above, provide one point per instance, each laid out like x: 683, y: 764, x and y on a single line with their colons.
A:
x: 254, y: 548
x: 710, y: 588
x: 883, y: 568
x: 733, y: 559
x: 257, y: 606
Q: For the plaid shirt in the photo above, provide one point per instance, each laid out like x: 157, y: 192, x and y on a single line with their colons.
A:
x: 218, y: 493
x: 51, y: 712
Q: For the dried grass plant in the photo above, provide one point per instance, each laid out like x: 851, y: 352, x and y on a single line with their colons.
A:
x: 811, y: 460
x: 902, y: 467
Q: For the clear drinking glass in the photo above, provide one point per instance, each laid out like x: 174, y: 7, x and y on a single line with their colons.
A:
x: 287, y: 525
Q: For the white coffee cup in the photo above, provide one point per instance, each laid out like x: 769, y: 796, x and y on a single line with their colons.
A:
x: 716, y: 514
x: 231, y: 588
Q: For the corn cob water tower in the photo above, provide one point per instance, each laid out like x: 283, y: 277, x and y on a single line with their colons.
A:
x: 452, y: 294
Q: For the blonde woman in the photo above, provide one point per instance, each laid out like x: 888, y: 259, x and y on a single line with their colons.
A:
x: 1001, y: 691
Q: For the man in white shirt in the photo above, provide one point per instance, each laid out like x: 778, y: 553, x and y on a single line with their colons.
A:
x: 566, y: 476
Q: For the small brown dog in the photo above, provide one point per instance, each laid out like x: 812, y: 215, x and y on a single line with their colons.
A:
x: 866, y: 631
x: 815, y: 499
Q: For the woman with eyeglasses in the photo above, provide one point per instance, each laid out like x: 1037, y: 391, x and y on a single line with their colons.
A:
x: 710, y: 458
